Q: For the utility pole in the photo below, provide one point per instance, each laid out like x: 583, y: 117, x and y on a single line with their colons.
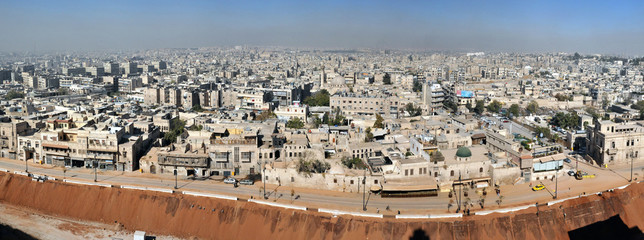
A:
x: 556, y: 183
x: 364, y: 192
x: 631, y: 167
x: 26, y: 165
x: 95, y: 163
x: 175, y: 177
x: 264, y: 180
x: 458, y: 198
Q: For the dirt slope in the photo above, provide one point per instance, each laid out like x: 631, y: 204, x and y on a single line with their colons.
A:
x: 206, y: 218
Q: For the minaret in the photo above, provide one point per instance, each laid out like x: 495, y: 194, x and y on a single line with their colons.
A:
x: 322, y: 78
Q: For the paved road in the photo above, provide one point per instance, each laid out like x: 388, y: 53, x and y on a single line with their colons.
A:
x: 347, y: 201
x: 515, y: 127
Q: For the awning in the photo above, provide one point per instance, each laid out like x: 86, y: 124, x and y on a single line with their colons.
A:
x: 424, y: 183
x: 55, y: 146
x: 401, y: 188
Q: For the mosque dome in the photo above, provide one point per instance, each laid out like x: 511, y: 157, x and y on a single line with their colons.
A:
x: 338, y: 80
x: 463, y: 152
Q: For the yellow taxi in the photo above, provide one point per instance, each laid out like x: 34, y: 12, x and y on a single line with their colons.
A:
x: 538, y: 187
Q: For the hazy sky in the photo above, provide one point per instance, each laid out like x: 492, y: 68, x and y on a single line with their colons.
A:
x: 524, y: 26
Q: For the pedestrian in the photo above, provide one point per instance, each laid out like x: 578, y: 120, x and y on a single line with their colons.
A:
x: 398, y: 212
x: 377, y: 210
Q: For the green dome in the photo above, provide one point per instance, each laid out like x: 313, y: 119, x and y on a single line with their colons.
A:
x: 463, y: 152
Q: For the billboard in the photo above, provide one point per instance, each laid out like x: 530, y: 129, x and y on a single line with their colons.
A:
x: 465, y: 94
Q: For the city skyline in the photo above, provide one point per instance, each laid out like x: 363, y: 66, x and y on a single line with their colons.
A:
x: 591, y: 27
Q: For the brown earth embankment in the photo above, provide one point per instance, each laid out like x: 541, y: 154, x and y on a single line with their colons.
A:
x: 208, y: 218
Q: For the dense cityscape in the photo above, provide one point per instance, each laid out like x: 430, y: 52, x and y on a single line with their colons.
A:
x: 469, y: 141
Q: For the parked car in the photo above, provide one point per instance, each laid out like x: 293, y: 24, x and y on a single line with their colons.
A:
x: 567, y: 160
x: 571, y: 173
x: 538, y: 187
x: 230, y: 180
x: 247, y: 182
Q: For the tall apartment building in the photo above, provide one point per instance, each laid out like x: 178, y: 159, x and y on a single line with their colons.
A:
x: 190, y: 98
x: 151, y: 96
x: 95, y: 71
x: 433, y: 96
x: 130, y: 68
x: 48, y: 82
x: 365, y: 104
x: 112, y: 68
x: 160, y: 65
x: 9, y: 132
x: 616, y: 143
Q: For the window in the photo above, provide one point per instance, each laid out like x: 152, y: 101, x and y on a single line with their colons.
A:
x: 480, y: 170
x: 375, y: 181
x: 411, y: 172
x: 351, y: 182
x: 406, y: 172
x: 451, y: 174
x: 335, y: 180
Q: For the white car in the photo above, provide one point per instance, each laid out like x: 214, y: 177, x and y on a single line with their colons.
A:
x: 230, y: 180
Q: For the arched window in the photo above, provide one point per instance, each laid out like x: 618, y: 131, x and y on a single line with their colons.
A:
x: 451, y: 173
x: 481, y: 170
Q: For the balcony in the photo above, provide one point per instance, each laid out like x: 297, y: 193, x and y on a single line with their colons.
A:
x: 102, y: 148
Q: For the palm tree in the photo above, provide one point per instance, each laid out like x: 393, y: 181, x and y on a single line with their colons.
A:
x: 500, y: 200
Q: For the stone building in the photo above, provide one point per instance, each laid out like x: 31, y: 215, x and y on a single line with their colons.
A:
x: 616, y: 143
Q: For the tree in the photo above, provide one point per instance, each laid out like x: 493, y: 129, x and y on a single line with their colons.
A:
x: 320, y: 98
x: 353, y: 163
x: 542, y: 132
x: 292, y: 194
x: 514, y: 110
x: 195, y: 128
x: 479, y: 108
x: 566, y: 120
x: 413, y: 111
x: 386, y: 79
x: 312, y: 166
x: 337, y: 120
x: 63, y: 91
x: 197, y: 108
x: 265, y: 115
x: 178, y: 126
x: 638, y: 106
x: 532, y: 107
x: 316, y: 121
x: 592, y: 112
x: 500, y: 200
x: 450, y: 105
x: 379, y: 122
x: 13, y: 94
x: 561, y: 97
x: 418, y: 86
x: 494, y: 106
x: 368, y: 135
x: 605, y: 102
x: 295, y: 123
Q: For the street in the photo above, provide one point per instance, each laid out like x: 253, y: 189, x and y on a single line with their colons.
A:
x: 512, y: 194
